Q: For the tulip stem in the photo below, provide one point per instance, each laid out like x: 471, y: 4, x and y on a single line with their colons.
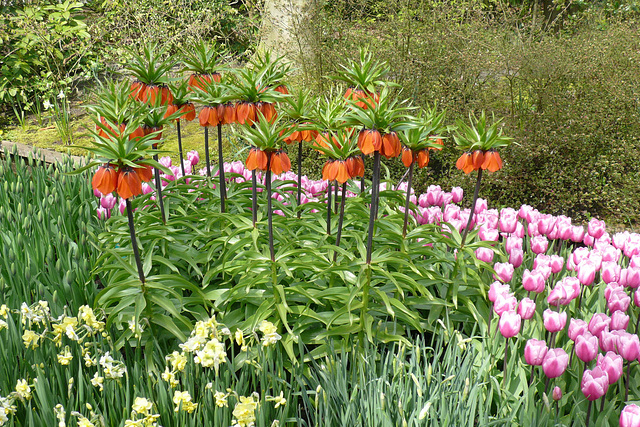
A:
x: 299, y: 177
x: 546, y: 385
x: 626, y: 389
x: 254, y: 197
x: 375, y: 188
x: 329, y: 208
x: 588, y: 413
x: 134, y: 242
x: 602, y: 402
x: 206, y: 150
x: 531, y: 376
x: 340, y: 219
x: 269, y: 213
x: 223, y: 184
x: 159, y: 190
x: 473, y: 208
x: 504, y: 367
x: 406, y: 205
x: 180, y: 147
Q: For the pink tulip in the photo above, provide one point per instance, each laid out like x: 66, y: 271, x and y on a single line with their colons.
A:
x: 580, y: 254
x: 636, y: 298
x: 557, y: 263
x: 533, y: 281
x: 97, y: 193
x: 555, y: 362
x: 619, y: 321
x: 508, y: 220
x: 193, y: 157
x: 504, y: 271
x: 586, y: 347
x: 557, y: 393
x: 526, y: 308
x: 505, y: 302
x: 525, y: 212
x: 598, y: 322
x: 481, y: 205
x: 577, y: 233
x: 535, y: 352
x: 586, y: 272
x: 541, y: 260
x: 620, y: 240
x: 488, y: 234
x: 509, y: 324
x: 512, y: 242
x: 103, y: 213
x: 595, y: 383
x: 632, y: 277
x: 610, y: 271
x: 496, y: 289
x: 618, y: 300
x: 612, y: 364
x: 516, y: 256
x: 596, y: 228
x: 532, y: 229
x: 108, y: 202
x: 484, y: 254
x: 608, y: 340
x: 611, y: 253
x: 628, y: 346
x: 146, y: 188
x: 539, y: 244
x: 610, y: 288
x: 457, y: 194
x: 630, y: 416
x: 451, y: 212
x: 434, y: 195
x: 122, y: 205
x: 546, y: 223
x: 576, y: 327
x: 489, y: 218
x: 554, y: 321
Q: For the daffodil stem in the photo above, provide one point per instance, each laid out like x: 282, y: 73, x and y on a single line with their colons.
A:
x: 340, y: 219
x: 299, y: 177
x: 206, y: 150
x: 254, y: 197
x: 134, y: 242
x: 329, y: 207
x: 159, y: 190
x: 473, y: 208
x: 223, y: 184
x: 375, y: 188
x: 588, y: 413
x: 180, y: 147
x: 269, y: 213
x: 406, y: 205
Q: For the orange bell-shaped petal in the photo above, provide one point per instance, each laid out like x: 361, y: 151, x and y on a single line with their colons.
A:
x: 171, y: 109
x: 492, y: 161
x: 105, y: 179
x: 129, y: 184
x: 355, y: 166
x: 465, y: 163
x: 166, y: 97
x: 275, y: 163
x: 282, y: 89
x: 478, y: 159
x: 284, y: 159
x: 390, y: 145
x: 213, y: 117
x: 268, y: 111
x: 407, y: 157
x: 229, y: 114
x: 136, y: 87
x: 423, y: 158
x: 342, y: 174
x: 137, y: 133
x: 369, y: 141
x: 145, y: 172
x: 257, y: 159
x: 188, y: 111
x: 204, y: 116
x: 246, y: 113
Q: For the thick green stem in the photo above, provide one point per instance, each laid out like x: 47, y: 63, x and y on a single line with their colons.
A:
x: 375, y: 188
x: 134, y: 242
x: 223, y: 188
x: 269, y: 213
x: 329, y: 207
x: 340, y: 219
x: 299, y: 177
x: 504, y: 366
x: 180, y: 147
x: 626, y: 389
x: 406, y: 205
x: 473, y: 208
x: 158, y: 182
x: 254, y: 197
x: 206, y: 150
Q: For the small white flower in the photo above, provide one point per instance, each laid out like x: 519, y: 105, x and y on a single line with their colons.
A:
x: 61, y: 95
x: 46, y: 104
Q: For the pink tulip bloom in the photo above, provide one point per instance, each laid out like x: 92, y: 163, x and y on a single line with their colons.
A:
x: 610, y: 288
x: 557, y: 393
x: 555, y: 362
x: 434, y: 195
x: 496, y: 289
x: 630, y: 416
x: 598, y: 322
x: 512, y: 242
x: 632, y: 277
x: 108, y: 202
x: 577, y: 233
x: 193, y: 157
x: 545, y: 270
x: 608, y: 341
x: 535, y: 352
x: 611, y: 253
x: 580, y: 254
x: 586, y: 272
x: 504, y: 271
x: 546, y: 223
x: 612, y: 364
x: 532, y: 229
x: 505, y: 302
x: 526, y: 308
x: 586, y: 347
x: 628, y: 346
x: 559, y: 295
x: 619, y: 240
x: 103, y: 213
x: 122, y: 206
x: 619, y: 321
x: 636, y: 298
x: 524, y: 212
x: 509, y: 324
x: 557, y: 264
x: 539, y: 244
x: 595, y: 383
x: 588, y: 240
x: 457, y: 194
x: 610, y: 271
x: 446, y: 198
x: 516, y: 256
x: 451, y: 212
x: 508, y: 220
x: 542, y: 260
x: 519, y: 230
x: 618, y: 300
x: 554, y: 321
x: 596, y: 228
x: 481, y: 205
x: 576, y: 327
x: 484, y: 254
x: 533, y: 281
x: 488, y: 234
x: 97, y: 193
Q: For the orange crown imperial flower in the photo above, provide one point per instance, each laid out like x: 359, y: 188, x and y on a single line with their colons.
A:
x: 105, y: 179
x: 369, y: 141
